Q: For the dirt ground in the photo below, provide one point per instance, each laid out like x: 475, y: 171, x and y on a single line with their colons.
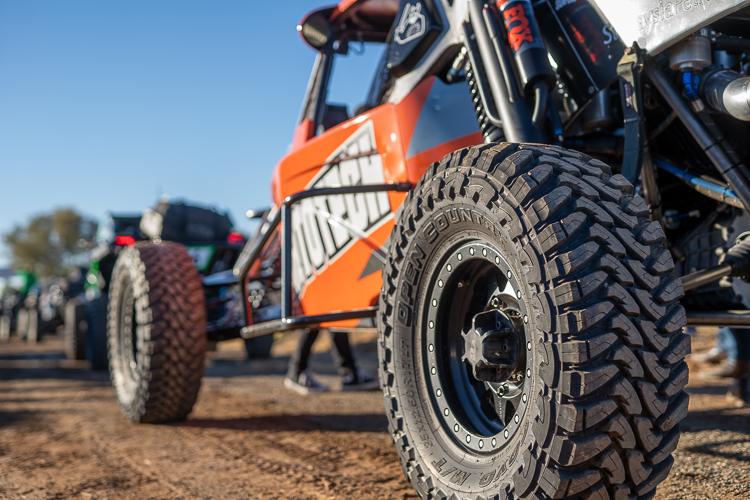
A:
x: 62, y: 435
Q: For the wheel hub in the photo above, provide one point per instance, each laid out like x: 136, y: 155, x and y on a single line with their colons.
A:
x: 491, y: 346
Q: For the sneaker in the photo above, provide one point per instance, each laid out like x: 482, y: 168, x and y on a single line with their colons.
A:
x: 713, y: 355
x: 360, y: 381
x: 724, y: 369
x: 305, y: 384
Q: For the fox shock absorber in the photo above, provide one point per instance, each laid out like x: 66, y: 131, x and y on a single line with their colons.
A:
x: 525, y: 39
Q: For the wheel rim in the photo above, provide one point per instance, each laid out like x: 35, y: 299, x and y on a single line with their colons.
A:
x: 128, y: 332
x: 479, y: 415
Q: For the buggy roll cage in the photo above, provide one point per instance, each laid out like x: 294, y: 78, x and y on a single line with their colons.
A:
x: 254, y: 248
x: 507, y: 112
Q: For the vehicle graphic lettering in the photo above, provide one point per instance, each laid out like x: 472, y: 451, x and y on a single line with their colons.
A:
x: 324, y: 227
x: 518, y: 26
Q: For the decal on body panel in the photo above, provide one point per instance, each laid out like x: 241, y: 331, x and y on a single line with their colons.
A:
x: 324, y: 227
x: 412, y: 24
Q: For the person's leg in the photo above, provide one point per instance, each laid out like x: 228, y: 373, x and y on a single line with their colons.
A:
x: 727, y: 342
x: 742, y: 338
x: 739, y: 392
x: 352, y: 379
x: 719, y: 351
x: 342, y: 354
x: 726, y: 345
x: 298, y: 361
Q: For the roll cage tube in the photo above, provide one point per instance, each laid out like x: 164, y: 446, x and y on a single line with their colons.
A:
x: 254, y: 249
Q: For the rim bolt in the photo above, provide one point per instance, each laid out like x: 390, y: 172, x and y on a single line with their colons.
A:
x: 525, y: 318
x: 455, y: 428
x: 518, y: 294
x: 494, y: 442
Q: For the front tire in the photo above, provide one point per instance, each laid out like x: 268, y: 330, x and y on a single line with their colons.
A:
x: 156, y: 332
x: 581, y: 393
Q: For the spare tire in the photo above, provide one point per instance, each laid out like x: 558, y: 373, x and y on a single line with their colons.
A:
x: 5, y: 321
x: 531, y: 341
x: 32, y: 326
x: 156, y: 332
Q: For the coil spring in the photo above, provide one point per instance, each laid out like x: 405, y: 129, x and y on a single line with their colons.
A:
x: 490, y: 132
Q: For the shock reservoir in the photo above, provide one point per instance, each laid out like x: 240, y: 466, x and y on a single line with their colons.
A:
x: 525, y: 40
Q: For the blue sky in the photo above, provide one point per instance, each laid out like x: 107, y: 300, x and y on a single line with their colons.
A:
x: 104, y: 105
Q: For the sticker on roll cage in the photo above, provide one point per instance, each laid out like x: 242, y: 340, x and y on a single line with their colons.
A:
x: 324, y: 227
x: 412, y: 24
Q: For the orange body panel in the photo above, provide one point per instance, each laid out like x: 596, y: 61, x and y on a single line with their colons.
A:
x: 333, y: 271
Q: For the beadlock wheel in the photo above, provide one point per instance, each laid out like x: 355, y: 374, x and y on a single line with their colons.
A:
x: 484, y: 411
x: 531, y: 340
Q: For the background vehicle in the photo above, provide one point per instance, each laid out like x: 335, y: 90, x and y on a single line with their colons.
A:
x: 531, y: 329
x: 206, y: 233
x: 86, y: 331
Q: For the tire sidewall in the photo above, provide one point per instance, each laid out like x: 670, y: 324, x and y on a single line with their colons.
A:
x: 434, y: 237
x: 128, y: 274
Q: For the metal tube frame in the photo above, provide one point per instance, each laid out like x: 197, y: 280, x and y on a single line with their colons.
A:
x: 706, y: 276
x: 253, y: 250
x: 731, y: 171
x: 734, y: 319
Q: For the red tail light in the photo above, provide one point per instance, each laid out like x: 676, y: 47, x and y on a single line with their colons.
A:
x: 235, y: 238
x: 125, y: 241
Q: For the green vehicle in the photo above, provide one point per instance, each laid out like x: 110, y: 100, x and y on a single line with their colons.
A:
x: 86, y: 314
x: 211, y: 243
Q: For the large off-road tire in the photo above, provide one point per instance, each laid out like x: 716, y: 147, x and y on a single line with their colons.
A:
x: 5, y: 321
x: 259, y: 347
x: 96, y: 333
x: 22, y: 322
x: 74, y: 330
x: 157, y: 332
x: 32, y: 326
x: 563, y: 255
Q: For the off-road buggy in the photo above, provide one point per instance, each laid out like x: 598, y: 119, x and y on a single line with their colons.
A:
x: 526, y: 201
x: 208, y: 236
